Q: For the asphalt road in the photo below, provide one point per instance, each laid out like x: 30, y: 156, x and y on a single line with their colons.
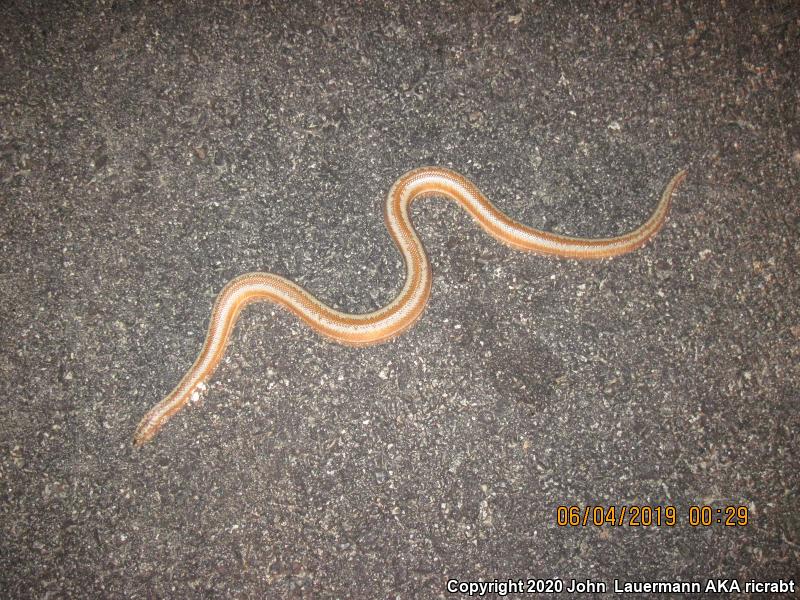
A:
x: 150, y: 152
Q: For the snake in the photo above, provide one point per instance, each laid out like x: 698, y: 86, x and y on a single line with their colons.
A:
x: 363, y: 329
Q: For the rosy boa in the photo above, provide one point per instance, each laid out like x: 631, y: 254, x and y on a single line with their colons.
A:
x: 400, y: 313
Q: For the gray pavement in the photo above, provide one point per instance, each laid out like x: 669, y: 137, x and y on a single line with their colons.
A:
x: 151, y: 151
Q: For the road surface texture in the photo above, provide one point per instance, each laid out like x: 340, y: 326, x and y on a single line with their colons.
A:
x: 151, y: 151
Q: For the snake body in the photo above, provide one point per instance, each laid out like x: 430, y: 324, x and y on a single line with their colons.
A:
x: 400, y: 313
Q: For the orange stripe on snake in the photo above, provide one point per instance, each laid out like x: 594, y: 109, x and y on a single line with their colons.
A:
x: 400, y: 313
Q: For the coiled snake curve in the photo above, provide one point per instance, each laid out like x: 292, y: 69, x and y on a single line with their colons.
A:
x: 400, y: 313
